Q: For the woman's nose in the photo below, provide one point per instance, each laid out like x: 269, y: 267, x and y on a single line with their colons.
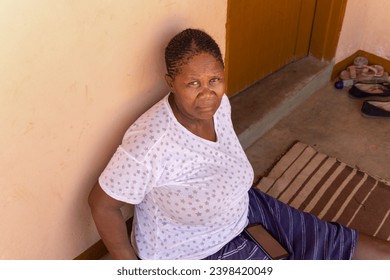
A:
x: 207, y: 90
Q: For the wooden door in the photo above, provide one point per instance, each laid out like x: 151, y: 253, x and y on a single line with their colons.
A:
x: 263, y: 36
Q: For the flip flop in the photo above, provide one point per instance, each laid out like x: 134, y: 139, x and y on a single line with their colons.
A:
x: 363, y: 73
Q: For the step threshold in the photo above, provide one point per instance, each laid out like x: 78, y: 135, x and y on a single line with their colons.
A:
x: 259, y: 107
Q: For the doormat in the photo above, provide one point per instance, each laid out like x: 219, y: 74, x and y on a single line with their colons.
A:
x: 330, y: 189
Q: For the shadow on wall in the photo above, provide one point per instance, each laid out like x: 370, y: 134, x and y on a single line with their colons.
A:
x: 153, y: 64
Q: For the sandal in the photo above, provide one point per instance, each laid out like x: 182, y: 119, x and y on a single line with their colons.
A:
x: 361, y: 90
x: 363, y: 73
x: 350, y: 73
x: 372, y: 71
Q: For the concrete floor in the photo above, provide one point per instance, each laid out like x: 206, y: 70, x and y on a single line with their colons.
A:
x: 330, y: 121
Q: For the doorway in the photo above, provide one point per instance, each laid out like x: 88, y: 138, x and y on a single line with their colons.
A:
x: 262, y: 36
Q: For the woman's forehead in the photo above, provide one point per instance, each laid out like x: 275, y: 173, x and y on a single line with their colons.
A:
x: 202, y: 62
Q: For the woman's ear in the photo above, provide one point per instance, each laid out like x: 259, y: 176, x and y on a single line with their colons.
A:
x: 169, y: 80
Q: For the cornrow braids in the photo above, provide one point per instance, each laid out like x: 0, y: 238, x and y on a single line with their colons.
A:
x: 187, y: 44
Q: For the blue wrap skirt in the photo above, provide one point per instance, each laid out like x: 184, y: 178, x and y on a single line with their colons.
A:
x: 305, y: 236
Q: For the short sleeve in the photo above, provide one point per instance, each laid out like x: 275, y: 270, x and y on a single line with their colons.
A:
x: 225, y: 104
x: 125, y: 178
x: 224, y: 110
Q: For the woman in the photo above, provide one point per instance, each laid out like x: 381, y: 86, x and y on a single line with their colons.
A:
x: 185, y: 171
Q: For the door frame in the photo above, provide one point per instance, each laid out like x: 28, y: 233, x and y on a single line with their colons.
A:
x: 328, y: 20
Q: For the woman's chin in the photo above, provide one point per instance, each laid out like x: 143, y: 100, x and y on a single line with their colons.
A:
x: 205, y: 113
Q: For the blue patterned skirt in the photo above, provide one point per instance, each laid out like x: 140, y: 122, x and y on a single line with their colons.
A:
x: 303, y: 235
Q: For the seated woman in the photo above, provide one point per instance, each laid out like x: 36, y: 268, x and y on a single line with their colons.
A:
x: 183, y: 168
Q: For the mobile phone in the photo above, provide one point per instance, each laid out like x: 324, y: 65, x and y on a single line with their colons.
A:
x: 267, y: 242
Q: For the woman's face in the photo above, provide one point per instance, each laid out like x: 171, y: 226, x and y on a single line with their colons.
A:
x: 199, y: 87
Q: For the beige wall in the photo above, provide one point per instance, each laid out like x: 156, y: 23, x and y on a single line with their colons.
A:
x: 366, y: 27
x: 73, y: 76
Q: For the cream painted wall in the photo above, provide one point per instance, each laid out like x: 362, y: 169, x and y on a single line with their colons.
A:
x: 73, y: 76
x: 365, y: 27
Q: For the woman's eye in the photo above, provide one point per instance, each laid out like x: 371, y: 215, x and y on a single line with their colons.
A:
x: 195, y: 83
x: 214, y: 80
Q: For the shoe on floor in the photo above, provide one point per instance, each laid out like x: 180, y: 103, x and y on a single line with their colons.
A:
x: 361, y: 90
x: 375, y: 108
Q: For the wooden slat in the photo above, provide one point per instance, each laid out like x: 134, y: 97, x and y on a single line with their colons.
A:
x: 340, y: 193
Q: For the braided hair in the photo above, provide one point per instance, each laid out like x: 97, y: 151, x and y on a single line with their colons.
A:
x: 187, y: 44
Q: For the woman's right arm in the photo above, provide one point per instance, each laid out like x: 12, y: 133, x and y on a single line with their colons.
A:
x: 110, y: 224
